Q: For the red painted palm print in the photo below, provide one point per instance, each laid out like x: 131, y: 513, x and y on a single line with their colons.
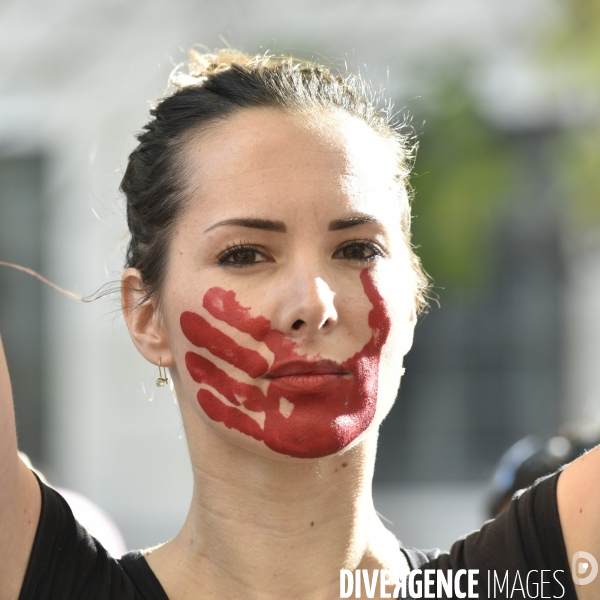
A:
x: 299, y: 422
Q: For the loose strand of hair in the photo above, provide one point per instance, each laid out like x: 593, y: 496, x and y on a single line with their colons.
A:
x: 104, y: 290
x: 35, y: 274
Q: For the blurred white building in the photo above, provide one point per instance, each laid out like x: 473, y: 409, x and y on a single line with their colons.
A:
x: 76, y: 82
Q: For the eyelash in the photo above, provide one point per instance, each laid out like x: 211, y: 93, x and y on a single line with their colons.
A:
x: 232, y: 249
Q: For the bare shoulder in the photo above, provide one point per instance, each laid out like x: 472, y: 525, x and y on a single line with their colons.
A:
x: 578, y: 495
x: 19, y: 520
x: 20, y: 497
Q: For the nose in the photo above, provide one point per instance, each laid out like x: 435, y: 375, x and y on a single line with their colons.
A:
x: 308, y: 307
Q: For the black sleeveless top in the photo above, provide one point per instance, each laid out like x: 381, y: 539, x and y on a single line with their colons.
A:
x: 522, y: 547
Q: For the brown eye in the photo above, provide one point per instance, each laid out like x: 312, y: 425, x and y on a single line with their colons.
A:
x: 358, y: 251
x: 243, y: 257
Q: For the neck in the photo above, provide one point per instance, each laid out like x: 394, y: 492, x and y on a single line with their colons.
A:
x: 268, y: 528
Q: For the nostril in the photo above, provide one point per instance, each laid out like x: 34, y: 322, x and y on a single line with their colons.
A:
x: 297, y: 324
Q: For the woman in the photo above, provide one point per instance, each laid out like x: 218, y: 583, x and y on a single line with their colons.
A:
x: 270, y: 270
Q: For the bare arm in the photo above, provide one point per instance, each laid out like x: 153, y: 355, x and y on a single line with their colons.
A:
x: 578, y: 495
x: 19, y: 497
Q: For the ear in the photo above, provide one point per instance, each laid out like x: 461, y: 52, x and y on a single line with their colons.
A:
x: 144, y: 320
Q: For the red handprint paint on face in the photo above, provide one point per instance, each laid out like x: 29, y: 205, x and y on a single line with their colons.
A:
x: 312, y: 408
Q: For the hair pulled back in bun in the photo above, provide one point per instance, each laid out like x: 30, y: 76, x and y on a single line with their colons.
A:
x: 207, y: 90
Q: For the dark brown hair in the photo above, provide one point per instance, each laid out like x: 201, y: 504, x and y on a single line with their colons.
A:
x: 215, y: 87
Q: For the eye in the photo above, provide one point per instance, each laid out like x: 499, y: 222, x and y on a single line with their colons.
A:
x: 241, y: 255
x: 359, y: 250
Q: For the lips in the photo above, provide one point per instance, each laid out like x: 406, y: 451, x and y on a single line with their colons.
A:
x: 306, y: 375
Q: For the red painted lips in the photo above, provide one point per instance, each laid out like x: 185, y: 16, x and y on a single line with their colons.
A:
x: 311, y: 408
x: 306, y: 374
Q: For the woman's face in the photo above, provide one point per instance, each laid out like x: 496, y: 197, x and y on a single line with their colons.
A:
x: 289, y: 297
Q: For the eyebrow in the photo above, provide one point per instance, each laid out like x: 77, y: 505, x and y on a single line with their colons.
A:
x: 265, y: 224
x: 350, y: 222
x: 279, y: 226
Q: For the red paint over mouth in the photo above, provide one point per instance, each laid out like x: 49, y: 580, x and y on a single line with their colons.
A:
x: 307, y: 382
x: 312, y: 408
x: 300, y: 367
x: 307, y: 375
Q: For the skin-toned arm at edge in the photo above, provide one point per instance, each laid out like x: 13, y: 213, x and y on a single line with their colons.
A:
x: 19, y: 497
x: 578, y: 495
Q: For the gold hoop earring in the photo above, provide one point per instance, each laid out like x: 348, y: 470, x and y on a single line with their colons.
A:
x: 162, y: 376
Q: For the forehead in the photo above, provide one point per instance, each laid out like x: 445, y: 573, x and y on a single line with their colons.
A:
x: 267, y: 159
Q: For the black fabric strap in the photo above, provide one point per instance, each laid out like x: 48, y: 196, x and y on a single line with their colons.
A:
x: 142, y: 576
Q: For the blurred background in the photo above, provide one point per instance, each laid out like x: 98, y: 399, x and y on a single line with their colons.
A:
x: 504, y: 97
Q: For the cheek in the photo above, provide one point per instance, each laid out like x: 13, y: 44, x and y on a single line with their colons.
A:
x: 402, y: 320
x: 358, y: 317
x: 396, y: 283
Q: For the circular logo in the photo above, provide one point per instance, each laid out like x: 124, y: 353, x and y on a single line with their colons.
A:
x: 584, y: 568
